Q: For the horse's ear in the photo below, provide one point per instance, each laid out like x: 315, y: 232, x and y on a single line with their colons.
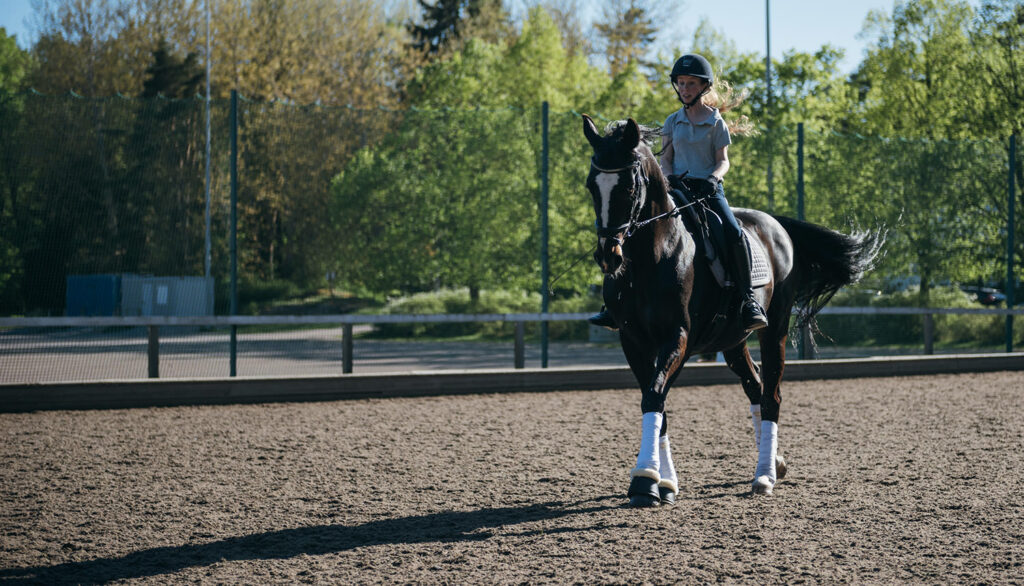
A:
x: 590, y: 131
x: 632, y: 134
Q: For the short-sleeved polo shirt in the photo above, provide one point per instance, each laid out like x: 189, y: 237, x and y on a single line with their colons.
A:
x: 694, y: 145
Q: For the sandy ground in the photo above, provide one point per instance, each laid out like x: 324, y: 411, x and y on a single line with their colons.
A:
x: 916, y: 479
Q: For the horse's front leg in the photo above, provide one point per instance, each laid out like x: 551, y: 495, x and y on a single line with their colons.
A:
x: 653, y: 479
x: 770, y: 465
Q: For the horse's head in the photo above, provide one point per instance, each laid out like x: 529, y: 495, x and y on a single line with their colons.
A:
x: 618, y: 185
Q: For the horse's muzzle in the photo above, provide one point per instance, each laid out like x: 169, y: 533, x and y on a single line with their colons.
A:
x: 609, y: 255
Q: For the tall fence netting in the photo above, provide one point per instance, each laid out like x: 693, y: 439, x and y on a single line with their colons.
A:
x: 379, y: 204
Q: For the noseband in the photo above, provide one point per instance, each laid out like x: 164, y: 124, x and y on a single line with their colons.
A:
x: 637, y: 188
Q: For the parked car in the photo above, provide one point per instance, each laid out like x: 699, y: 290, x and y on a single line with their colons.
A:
x: 985, y: 295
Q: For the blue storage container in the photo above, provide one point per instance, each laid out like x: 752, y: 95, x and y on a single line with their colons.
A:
x: 93, y: 295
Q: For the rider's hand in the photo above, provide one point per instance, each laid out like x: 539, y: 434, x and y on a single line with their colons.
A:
x: 700, y: 187
x: 713, y: 184
x: 676, y: 182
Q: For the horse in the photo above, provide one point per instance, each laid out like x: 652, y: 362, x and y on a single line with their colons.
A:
x: 668, y: 306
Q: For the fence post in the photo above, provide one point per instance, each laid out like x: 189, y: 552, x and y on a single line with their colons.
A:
x: 544, y: 235
x: 929, y: 334
x: 346, y: 349
x: 153, y: 351
x: 1010, y: 281
x: 233, y: 244
x: 804, y: 343
x: 519, y: 358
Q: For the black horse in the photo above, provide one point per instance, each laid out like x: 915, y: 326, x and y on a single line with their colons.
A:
x: 668, y: 305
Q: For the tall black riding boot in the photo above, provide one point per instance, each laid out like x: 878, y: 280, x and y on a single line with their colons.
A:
x: 751, y: 313
x: 603, y: 319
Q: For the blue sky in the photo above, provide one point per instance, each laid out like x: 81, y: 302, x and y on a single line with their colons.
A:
x: 804, y: 25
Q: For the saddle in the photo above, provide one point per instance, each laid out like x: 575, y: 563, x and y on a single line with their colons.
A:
x: 708, y: 233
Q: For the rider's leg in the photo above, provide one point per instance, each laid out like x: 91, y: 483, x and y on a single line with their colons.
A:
x: 603, y: 318
x: 751, y: 313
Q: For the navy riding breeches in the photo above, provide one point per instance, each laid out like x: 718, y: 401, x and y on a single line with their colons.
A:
x: 720, y: 206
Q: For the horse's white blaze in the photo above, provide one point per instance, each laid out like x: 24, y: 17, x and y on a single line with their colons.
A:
x: 606, y: 183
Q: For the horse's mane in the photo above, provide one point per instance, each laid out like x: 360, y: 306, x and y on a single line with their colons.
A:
x: 649, y: 134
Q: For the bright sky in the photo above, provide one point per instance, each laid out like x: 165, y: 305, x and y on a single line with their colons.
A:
x: 804, y: 25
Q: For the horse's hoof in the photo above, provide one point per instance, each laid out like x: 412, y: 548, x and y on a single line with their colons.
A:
x: 643, y: 501
x: 780, y: 467
x: 668, y: 496
x: 761, y: 485
x: 643, y: 492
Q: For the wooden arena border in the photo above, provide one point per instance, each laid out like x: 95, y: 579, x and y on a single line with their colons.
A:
x: 117, y: 394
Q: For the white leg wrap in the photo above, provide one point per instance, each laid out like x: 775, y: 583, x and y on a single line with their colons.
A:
x: 755, y: 418
x: 647, y: 460
x: 668, y: 469
x: 769, y: 445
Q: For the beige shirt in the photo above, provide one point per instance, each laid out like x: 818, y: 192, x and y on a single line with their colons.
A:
x: 690, y: 148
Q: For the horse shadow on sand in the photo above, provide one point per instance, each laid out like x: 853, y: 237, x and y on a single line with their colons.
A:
x: 442, y: 527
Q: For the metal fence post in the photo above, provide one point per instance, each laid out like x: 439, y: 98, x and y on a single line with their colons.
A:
x: 1010, y: 280
x: 346, y: 349
x: 544, y: 235
x: 519, y: 358
x: 153, y: 351
x: 804, y: 342
x: 929, y: 334
x: 233, y: 244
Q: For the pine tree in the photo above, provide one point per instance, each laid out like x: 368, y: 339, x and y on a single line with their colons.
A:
x: 172, y: 76
x: 443, y: 23
x: 628, y: 33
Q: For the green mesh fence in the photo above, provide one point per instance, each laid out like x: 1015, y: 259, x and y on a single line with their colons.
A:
x: 396, y: 202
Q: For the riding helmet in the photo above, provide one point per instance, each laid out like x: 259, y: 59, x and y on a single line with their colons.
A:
x: 694, y: 65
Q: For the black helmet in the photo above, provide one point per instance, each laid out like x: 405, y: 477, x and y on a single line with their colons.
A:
x: 694, y: 65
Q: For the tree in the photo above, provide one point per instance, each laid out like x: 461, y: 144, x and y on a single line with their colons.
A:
x: 172, y: 76
x: 921, y: 89
x: 448, y: 23
x: 628, y: 32
x: 15, y: 67
x: 997, y: 35
x: 452, y: 195
x: 566, y: 16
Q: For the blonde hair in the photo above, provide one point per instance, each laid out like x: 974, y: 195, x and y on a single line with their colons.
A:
x: 721, y: 95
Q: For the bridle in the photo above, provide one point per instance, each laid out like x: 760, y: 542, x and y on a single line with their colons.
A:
x: 638, y: 183
x: 638, y: 177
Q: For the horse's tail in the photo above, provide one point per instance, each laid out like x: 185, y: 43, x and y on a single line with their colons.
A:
x: 825, y: 261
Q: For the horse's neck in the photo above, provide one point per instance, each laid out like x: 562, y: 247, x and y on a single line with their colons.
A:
x: 666, y: 236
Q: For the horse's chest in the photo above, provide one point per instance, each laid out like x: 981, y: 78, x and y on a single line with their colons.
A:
x: 653, y: 306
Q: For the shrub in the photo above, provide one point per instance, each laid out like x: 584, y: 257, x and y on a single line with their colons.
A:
x: 457, y: 301
x: 903, y: 330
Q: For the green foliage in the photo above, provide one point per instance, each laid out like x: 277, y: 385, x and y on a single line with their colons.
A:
x: 254, y: 295
x: 14, y: 64
x: 459, y: 301
x: 456, y: 301
x: 908, y: 330
x: 441, y: 189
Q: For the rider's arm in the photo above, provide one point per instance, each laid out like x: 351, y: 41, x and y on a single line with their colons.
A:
x: 721, y: 163
x: 666, y: 154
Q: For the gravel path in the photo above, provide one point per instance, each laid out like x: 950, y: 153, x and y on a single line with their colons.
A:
x: 913, y: 479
